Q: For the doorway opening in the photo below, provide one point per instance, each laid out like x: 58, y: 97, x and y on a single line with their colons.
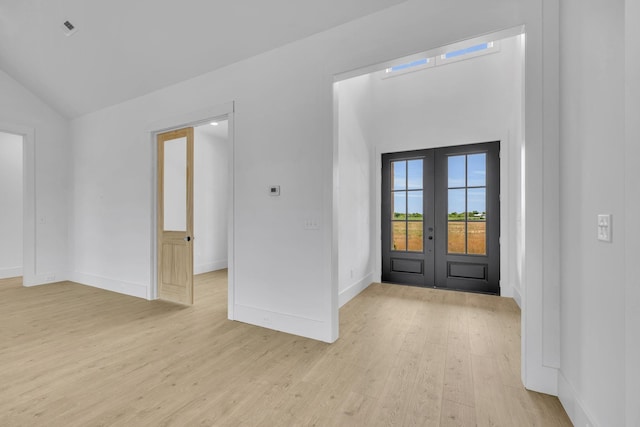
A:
x: 12, y: 213
x: 193, y: 177
x: 210, y: 196
x: 453, y: 96
x: 209, y: 207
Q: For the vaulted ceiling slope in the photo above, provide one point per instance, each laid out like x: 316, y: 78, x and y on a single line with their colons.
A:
x: 127, y: 48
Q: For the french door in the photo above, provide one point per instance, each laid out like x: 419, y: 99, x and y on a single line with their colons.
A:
x: 441, y: 217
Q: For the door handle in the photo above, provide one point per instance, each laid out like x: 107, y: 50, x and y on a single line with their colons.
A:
x: 430, y: 237
x: 187, y: 239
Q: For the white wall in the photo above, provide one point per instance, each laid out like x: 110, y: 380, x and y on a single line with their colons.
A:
x: 285, y: 277
x: 469, y: 101
x: 47, y: 200
x: 632, y: 207
x: 11, y: 210
x: 283, y: 136
x: 592, y: 379
x: 355, y: 187
x: 210, y: 191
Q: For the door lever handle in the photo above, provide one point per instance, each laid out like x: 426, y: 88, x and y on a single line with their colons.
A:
x: 187, y: 239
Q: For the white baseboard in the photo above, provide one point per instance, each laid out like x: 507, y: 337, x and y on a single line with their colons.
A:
x: 121, y: 287
x: 44, y: 279
x: 212, y: 266
x: 291, y: 324
x: 516, y: 296
x: 354, y: 289
x: 572, y: 404
x: 10, y: 272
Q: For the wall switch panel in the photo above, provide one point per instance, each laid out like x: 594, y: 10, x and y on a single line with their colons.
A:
x: 604, y: 227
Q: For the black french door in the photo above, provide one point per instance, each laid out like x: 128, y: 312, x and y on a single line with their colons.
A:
x: 441, y: 217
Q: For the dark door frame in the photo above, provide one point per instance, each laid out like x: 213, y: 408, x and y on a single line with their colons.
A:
x: 433, y: 265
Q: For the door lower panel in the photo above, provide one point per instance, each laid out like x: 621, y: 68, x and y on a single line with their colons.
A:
x: 407, y: 266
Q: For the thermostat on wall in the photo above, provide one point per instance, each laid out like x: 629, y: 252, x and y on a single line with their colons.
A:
x: 274, y: 190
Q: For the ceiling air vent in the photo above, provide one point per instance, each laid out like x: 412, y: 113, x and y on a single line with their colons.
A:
x: 68, y: 28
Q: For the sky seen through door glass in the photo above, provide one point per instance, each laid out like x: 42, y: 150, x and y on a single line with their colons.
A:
x: 408, y: 176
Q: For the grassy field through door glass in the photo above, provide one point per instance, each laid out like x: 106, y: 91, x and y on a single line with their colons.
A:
x: 477, y: 240
x: 412, y: 240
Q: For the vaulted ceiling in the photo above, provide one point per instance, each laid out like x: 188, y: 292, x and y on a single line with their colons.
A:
x: 127, y: 48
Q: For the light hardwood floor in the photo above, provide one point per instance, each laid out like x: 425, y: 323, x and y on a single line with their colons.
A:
x: 72, y: 355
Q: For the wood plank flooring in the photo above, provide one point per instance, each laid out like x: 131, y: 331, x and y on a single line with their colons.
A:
x: 72, y: 355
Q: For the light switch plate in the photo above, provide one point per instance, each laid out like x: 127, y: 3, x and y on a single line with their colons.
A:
x: 604, y: 227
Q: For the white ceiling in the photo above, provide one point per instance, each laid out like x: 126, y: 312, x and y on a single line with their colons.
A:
x: 126, y: 48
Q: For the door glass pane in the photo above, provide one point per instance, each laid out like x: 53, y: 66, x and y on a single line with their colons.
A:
x: 399, y: 208
x: 398, y: 235
x: 477, y: 203
x: 415, y: 205
x: 477, y: 227
x: 456, y: 237
x: 477, y: 170
x: 477, y: 238
x: 175, y: 185
x: 456, y: 171
x: 457, y: 207
x: 456, y: 227
x: 399, y: 174
x: 414, y: 174
x: 415, y: 236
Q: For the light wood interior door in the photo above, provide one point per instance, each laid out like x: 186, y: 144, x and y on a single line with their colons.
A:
x: 175, y: 216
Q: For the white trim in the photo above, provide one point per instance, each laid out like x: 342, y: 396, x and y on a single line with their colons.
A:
x: 10, y: 272
x: 221, y: 112
x: 540, y: 285
x: 29, y: 273
x: 138, y: 290
x: 283, y: 322
x: 334, y: 215
x: 354, y: 289
x: 516, y: 296
x: 231, y: 245
x: 572, y: 404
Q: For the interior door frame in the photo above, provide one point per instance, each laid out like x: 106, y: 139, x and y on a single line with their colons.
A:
x: 30, y: 276
x: 194, y: 119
